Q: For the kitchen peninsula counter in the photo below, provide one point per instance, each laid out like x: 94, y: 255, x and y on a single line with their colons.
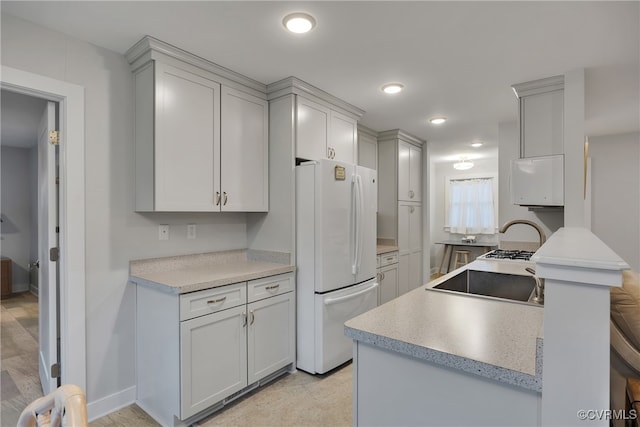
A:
x: 190, y: 273
x: 445, y: 344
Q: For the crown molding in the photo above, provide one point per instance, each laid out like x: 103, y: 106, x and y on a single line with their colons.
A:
x: 535, y: 87
x: 401, y: 135
x: 293, y: 85
x: 150, y: 48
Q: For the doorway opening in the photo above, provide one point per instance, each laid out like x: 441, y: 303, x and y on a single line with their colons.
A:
x: 70, y: 253
x: 29, y: 226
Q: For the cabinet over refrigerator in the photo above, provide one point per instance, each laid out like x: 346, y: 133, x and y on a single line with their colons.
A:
x: 336, y: 258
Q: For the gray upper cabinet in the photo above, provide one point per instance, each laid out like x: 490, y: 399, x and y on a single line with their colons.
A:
x: 324, y: 127
x: 541, y: 116
x: 201, y: 138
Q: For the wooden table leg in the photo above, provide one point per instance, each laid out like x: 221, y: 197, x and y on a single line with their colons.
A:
x: 450, y: 257
x: 444, y: 255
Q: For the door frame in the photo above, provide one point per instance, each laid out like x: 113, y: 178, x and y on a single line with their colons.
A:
x: 70, y: 98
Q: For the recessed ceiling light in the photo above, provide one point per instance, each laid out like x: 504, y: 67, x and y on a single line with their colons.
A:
x: 392, y: 88
x: 299, y: 22
x: 437, y: 120
x: 476, y: 144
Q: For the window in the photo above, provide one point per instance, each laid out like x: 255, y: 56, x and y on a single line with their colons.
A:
x: 471, y: 207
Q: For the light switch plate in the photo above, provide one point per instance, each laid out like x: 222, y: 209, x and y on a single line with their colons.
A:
x: 191, y: 231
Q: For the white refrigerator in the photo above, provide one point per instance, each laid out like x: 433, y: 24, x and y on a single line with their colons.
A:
x: 335, y: 258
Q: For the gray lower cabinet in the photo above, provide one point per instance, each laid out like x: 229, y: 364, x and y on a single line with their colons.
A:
x: 198, y: 351
x: 388, y: 278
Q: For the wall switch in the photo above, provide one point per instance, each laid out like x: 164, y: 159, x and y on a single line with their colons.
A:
x: 191, y: 231
x: 163, y: 232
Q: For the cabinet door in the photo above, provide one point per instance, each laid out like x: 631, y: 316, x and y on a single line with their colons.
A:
x: 415, y: 270
x: 271, y: 335
x: 410, y: 245
x: 343, y: 138
x: 415, y: 174
x: 388, y: 283
x: 187, y: 140
x: 409, y: 172
x: 403, y: 273
x: 312, y: 126
x: 213, y: 359
x: 542, y: 123
x: 404, y: 163
x: 409, y: 227
x: 244, y: 152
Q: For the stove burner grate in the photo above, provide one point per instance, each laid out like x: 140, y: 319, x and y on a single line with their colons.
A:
x: 508, y: 254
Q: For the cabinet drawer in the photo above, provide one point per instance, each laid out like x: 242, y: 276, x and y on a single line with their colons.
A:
x: 211, y: 300
x: 269, y: 286
x: 387, y: 259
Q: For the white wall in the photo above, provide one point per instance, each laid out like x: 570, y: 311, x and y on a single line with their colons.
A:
x: 550, y: 221
x: 16, y: 205
x: 439, y: 172
x: 115, y: 234
x: 615, y: 193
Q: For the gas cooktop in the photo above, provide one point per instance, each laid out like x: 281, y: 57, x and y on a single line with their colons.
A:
x: 503, y: 254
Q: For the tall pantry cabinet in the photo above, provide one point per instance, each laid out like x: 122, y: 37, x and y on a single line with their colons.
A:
x: 400, y: 202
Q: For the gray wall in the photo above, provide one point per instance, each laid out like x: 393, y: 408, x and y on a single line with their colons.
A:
x: 115, y: 234
x: 615, y: 193
x: 17, y: 205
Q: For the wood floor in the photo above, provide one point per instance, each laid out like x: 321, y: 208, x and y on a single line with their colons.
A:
x: 297, y: 399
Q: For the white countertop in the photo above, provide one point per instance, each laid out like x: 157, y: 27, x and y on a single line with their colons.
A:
x: 190, y: 273
x: 578, y: 247
x: 493, y: 338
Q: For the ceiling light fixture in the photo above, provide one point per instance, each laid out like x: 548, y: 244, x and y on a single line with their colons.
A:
x: 299, y: 23
x: 476, y: 144
x: 437, y: 120
x: 463, y: 165
x: 392, y: 88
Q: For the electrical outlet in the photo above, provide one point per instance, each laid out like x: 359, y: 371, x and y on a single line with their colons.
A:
x: 163, y: 232
x: 191, y: 231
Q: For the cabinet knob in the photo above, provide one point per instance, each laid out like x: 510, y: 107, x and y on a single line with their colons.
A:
x: 411, y: 194
x: 411, y: 209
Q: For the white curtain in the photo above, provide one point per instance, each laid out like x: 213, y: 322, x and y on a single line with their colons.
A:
x: 471, y: 207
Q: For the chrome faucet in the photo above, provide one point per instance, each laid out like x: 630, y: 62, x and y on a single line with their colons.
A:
x: 540, y: 231
x: 538, y: 297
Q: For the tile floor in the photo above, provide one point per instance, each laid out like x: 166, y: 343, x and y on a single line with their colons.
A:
x: 297, y: 399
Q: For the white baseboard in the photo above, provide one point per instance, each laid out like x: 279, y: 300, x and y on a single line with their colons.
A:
x: 106, y: 405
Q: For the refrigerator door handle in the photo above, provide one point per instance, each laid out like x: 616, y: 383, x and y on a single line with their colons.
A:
x: 360, y: 222
x: 356, y: 223
x: 331, y: 301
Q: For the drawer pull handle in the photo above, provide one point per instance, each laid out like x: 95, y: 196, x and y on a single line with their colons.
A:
x: 244, y: 319
x: 389, y: 258
x: 272, y: 287
x: 215, y: 301
x: 217, y: 198
x: 253, y: 317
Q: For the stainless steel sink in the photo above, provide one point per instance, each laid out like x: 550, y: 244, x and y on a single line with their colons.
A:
x: 497, y: 285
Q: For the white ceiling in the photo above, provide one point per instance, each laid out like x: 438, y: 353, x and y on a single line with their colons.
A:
x: 456, y: 59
